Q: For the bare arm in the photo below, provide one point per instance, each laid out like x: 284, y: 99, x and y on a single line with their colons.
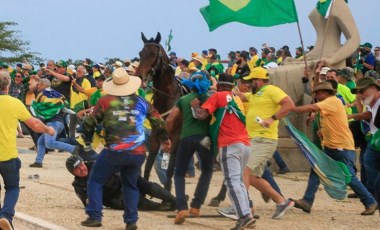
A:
x: 170, y: 121
x: 58, y: 75
x: 201, y: 114
x: 241, y: 95
x: 306, y: 108
x: 39, y: 127
x: 361, y: 116
x: 78, y: 87
x: 287, y: 105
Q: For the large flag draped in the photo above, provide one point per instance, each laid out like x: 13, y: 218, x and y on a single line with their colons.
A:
x: 334, y: 175
x: 262, y: 13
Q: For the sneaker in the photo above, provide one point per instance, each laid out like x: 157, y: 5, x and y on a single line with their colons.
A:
x: 36, y: 165
x: 181, y: 216
x: 91, y: 223
x: 228, y: 212
x: 302, y: 204
x: 5, y: 224
x: 131, y: 226
x: 281, y: 209
x: 214, y: 202
x: 245, y: 222
x: 370, y: 210
x: 195, y: 212
x: 283, y: 170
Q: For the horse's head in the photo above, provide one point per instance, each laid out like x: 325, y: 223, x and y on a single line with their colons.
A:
x: 152, y: 58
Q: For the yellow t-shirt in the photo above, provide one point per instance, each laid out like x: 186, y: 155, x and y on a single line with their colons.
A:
x: 252, y: 62
x: 96, y: 74
x: 79, y: 97
x: 334, y: 125
x: 264, y: 104
x: 12, y: 110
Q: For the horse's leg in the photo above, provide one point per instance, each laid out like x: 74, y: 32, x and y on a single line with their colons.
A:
x: 153, y: 151
x: 173, y: 154
x: 174, y: 138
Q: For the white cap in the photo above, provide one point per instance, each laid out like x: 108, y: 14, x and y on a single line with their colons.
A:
x: 324, y: 70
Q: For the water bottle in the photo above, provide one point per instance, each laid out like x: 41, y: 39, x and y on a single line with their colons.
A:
x: 165, y: 160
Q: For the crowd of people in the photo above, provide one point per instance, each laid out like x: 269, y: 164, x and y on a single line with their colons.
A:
x: 229, y: 118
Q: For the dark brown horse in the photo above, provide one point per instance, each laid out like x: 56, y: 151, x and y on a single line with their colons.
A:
x: 155, y: 66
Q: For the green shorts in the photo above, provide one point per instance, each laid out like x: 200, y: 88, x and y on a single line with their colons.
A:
x: 262, y: 150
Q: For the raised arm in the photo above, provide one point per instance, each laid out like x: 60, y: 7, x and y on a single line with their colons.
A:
x: 39, y: 127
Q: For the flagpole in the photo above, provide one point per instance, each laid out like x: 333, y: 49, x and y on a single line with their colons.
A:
x: 299, y: 33
x: 302, y: 45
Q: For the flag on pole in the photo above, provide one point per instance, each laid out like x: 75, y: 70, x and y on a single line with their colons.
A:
x: 324, y: 7
x: 167, y: 42
x: 334, y: 175
x: 262, y: 13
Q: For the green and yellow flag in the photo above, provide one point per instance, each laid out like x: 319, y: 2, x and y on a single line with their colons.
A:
x: 262, y: 13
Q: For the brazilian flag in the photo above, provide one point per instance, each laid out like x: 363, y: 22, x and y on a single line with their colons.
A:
x: 217, y: 119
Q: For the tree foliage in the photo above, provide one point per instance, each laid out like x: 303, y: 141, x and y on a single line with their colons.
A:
x: 13, y: 48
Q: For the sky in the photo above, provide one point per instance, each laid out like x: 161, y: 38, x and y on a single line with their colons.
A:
x: 100, y: 29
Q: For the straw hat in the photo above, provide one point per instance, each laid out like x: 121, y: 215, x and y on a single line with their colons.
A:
x: 121, y: 83
x: 323, y: 86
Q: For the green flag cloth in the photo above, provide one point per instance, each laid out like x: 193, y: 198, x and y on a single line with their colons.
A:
x: 334, y: 175
x: 217, y: 119
x: 167, y: 42
x: 324, y: 7
x: 262, y: 13
x: 95, y: 97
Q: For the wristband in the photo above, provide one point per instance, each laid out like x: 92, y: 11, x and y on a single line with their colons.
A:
x: 274, y: 117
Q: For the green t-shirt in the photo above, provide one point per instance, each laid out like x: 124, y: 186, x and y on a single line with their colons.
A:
x: 347, y: 96
x: 190, y: 125
x: 350, y: 84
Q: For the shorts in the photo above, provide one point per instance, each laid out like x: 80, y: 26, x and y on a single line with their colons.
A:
x: 262, y: 150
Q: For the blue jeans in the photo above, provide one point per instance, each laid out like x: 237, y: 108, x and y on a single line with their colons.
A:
x: 279, y: 161
x: 363, y: 173
x: 50, y: 142
x: 161, y: 173
x: 348, y: 158
x: 10, y: 171
x: 108, y: 163
x: 186, y: 149
x: 372, y: 167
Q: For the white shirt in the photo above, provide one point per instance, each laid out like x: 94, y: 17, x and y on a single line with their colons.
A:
x: 373, y: 110
x: 271, y: 65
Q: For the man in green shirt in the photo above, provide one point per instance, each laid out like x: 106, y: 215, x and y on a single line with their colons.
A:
x: 194, y: 137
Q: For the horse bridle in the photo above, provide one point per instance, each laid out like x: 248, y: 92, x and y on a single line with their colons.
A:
x: 156, y: 66
x: 159, y: 59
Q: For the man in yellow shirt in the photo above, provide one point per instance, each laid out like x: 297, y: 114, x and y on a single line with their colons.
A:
x: 78, y: 100
x: 267, y: 104
x: 254, y: 57
x: 12, y: 111
x: 337, y: 143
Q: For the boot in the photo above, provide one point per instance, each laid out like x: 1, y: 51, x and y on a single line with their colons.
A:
x: 160, y: 193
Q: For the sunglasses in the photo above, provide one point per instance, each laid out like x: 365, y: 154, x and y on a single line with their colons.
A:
x: 19, y: 76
